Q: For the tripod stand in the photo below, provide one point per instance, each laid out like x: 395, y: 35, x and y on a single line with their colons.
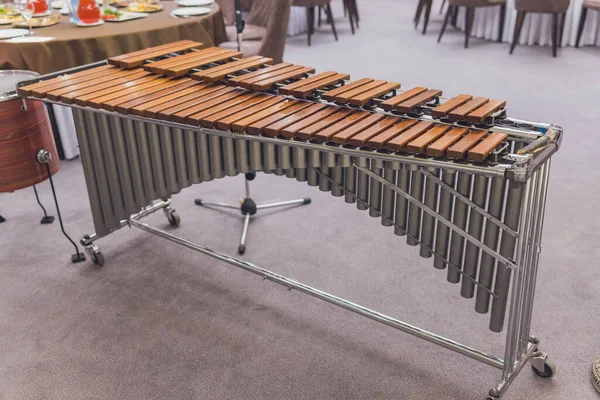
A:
x: 248, y: 207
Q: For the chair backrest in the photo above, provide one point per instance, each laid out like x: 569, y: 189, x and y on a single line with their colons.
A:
x: 228, y: 9
x: 275, y: 16
x: 310, y: 3
x: 473, y: 3
x: 542, y: 6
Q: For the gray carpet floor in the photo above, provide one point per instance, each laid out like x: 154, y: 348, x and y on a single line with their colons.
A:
x: 161, y: 322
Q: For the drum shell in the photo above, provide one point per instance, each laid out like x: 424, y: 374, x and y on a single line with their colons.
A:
x: 22, y: 135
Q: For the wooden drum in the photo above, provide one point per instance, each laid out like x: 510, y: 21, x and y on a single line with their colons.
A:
x: 22, y: 135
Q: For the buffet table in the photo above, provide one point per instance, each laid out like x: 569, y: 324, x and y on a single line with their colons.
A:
x: 65, y: 46
x: 537, y: 27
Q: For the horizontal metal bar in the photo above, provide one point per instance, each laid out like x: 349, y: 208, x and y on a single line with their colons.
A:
x: 348, y: 305
x: 464, y: 198
x: 498, y: 170
x: 443, y: 220
x: 404, y: 231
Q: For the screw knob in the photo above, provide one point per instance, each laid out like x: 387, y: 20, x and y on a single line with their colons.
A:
x: 43, y: 156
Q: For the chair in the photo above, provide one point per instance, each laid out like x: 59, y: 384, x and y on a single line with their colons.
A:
x: 351, y: 9
x: 251, y: 32
x: 471, y: 5
x: 587, y: 5
x: 555, y: 7
x: 265, y: 32
x: 310, y: 6
x: 423, y: 5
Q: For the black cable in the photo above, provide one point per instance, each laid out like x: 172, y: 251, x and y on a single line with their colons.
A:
x: 58, y: 210
x: 39, y: 202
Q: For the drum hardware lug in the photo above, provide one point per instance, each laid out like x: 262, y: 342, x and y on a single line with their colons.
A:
x: 43, y: 156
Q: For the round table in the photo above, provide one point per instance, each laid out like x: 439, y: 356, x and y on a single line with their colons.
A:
x: 537, y: 28
x: 65, y: 45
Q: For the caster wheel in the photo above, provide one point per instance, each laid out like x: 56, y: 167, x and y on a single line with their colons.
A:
x: 548, y: 372
x: 98, y: 258
x: 242, y: 249
x: 174, y: 218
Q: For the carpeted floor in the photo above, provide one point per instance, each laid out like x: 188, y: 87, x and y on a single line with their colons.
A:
x: 162, y: 322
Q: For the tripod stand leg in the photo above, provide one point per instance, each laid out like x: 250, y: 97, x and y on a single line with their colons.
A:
x: 242, y: 247
x: 46, y: 219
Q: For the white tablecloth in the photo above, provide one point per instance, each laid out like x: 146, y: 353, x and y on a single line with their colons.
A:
x: 66, y: 130
x: 537, y: 28
x: 297, y: 23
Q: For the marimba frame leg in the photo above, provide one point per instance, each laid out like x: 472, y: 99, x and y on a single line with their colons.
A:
x: 87, y: 241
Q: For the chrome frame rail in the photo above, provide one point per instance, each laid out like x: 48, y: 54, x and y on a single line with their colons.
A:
x: 510, y: 371
x: 338, y: 301
x: 520, y: 171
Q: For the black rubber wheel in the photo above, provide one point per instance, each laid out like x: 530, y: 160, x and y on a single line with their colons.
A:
x: 242, y: 249
x: 548, y: 372
x: 98, y: 258
x: 174, y: 218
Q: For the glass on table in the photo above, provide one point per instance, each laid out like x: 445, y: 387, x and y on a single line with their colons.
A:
x: 27, y: 9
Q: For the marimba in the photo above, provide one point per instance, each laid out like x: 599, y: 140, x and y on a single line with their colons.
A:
x: 457, y: 177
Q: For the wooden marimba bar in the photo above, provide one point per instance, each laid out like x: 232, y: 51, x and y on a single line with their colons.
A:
x: 457, y: 177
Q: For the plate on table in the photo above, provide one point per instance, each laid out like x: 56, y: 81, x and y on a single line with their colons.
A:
x: 121, y: 3
x: 144, y: 8
x: 12, y: 33
x: 113, y: 15
x: 64, y: 10
x: 191, y: 11
x: 39, y: 22
x: 57, y: 4
x: 9, y: 19
x: 194, y: 3
x: 7, y: 11
x: 81, y: 23
x: 44, y: 14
